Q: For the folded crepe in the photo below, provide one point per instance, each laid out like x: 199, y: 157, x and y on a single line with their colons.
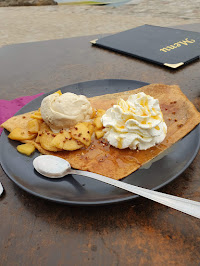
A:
x: 179, y: 114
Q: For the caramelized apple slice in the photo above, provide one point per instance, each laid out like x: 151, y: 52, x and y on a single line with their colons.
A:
x: 33, y: 126
x: 26, y: 149
x: 59, y: 92
x: 20, y: 134
x: 81, y: 133
x: 97, y: 122
x: 64, y: 141
x: 37, y: 115
x: 45, y: 139
x: 43, y: 127
x: 100, y: 112
x: 99, y: 134
x: 90, y: 127
x: 94, y: 113
x: 37, y: 140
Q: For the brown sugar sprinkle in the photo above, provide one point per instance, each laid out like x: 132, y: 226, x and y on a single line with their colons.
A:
x: 61, y: 131
x: 23, y: 116
x: 84, y: 138
x: 53, y: 135
x: 92, y: 147
x: 22, y: 133
x: 76, y: 128
x: 66, y: 138
x: 48, y: 133
x: 79, y: 134
x: 40, y: 134
x: 101, y: 160
x: 175, y: 120
x: 88, y: 132
x: 103, y: 142
x: 173, y: 113
x: 166, y: 109
x: 173, y: 102
x: 169, y: 119
x: 180, y: 125
x: 70, y: 138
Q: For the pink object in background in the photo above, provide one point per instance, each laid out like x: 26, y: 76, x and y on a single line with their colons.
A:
x: 9, y: 108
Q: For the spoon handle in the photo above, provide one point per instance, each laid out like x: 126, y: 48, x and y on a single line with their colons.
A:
x: 184, y: 205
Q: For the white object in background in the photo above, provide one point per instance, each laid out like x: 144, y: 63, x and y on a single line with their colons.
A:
x: 1, y: 189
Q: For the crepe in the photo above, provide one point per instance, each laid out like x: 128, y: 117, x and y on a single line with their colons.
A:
x: 179, y: 114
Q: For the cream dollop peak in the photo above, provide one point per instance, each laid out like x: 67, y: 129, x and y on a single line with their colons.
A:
x: 136, y: 123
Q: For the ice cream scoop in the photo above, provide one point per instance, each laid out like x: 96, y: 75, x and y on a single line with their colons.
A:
x: 65, y: 110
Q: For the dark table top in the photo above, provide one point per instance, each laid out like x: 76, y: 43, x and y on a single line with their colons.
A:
x: 139, y: 232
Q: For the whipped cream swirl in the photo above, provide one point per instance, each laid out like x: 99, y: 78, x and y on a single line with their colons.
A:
x: 136, y: 123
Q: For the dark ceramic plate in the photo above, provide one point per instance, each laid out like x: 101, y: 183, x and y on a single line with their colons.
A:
x: 79, y: 190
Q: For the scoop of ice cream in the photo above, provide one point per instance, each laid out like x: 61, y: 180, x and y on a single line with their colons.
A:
x: 65, y: 110
x: 135, y: 123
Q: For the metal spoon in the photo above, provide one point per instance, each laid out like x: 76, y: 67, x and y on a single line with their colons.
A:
x: 55, y: 167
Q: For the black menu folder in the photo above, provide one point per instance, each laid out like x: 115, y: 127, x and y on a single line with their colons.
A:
x: 160, y: 45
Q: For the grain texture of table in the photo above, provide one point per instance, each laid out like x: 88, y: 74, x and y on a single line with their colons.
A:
x: 139, y: 232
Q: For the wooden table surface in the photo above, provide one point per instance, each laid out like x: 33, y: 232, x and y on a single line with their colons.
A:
x: 139, y: 232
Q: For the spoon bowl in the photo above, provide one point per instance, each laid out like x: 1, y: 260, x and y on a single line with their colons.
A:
x: 52, y: 166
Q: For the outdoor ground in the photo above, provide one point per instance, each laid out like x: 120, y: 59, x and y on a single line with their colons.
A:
x: 28, y: 24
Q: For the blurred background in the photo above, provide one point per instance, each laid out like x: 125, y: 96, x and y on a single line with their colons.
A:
x: 37, y: 20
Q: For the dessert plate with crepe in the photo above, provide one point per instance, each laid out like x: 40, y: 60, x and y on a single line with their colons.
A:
x: 115, y: 156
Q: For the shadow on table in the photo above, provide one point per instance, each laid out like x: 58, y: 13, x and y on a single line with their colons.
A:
x: 137, y: 212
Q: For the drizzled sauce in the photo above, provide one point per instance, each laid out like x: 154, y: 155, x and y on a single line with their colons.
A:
x: 102, y: 158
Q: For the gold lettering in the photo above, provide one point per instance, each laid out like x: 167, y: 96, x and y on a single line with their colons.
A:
x: 176, y: 45
x: 186, y: 39
x: 191, y: 41
x: 163, y: 50
x: 183, y: 42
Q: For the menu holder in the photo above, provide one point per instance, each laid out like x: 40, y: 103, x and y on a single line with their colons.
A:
x: 167, y: 47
